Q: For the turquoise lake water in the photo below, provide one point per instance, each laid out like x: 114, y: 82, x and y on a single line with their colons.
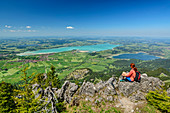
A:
x: 141, y: 56
x: 90, y: 48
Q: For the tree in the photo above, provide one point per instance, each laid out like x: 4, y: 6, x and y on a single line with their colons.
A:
x: 25, y: 99
x: 7, y: 104
x: 52, y: 78
x: 47, y: 82
x: 47, y: 102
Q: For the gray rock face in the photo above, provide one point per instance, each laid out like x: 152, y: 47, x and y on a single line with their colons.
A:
x: 89, y: 98
x: 73, y: 89
x: 150, y: 83
x: 87, y: 88
x: 110, y: 98
x: 99, y: 100
x: 61, y: 92
x: 37, y: 90
x: 146, y: 84
x: 67, y: 91
x: 168, y: 92
x: 110, y: 81
x: 75, y: 101
x: 128, y: 88
x: 35, y: 87
x: 106, y: 88
x: 137, y: 96
x: 100, y: 86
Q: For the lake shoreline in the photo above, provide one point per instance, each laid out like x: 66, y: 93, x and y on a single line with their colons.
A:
x: 87, y: 48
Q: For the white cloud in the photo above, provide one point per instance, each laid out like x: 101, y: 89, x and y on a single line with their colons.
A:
x: 70, y: 27
x: 8, y: 26
x: 28, y: 27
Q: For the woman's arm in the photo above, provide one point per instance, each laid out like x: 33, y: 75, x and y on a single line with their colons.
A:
x: 130, y: 73
x: 124, y: 73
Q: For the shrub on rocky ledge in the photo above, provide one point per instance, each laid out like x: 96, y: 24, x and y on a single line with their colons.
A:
x: 159, y: 100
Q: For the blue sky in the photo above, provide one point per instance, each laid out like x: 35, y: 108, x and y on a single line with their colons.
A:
x: 85, y: 18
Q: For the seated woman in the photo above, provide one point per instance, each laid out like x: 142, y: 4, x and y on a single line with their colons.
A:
x: 131, y: 75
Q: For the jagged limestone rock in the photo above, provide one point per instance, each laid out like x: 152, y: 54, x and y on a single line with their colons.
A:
x: 136, y: 91
x: 73, y: 89
x: 37, y: 90
x: 137, y: 96
x: 87, y: 88
x: 67, y: 91
x: 106, y: 88
x: 128, y: 88
x: 102, y: 91
x: 75, y: 101
x: 100, y: 85
x: 110, y: 98
x: 110, y: 81
x: 35, y: 87
x: 99, y: 100
x: 150, y: 83
x: 61, y: 92
x: 70, y: 91
x: 88, y: 98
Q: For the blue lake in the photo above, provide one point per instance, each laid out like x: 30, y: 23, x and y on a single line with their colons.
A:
x: 89, y: 48
x: 140, y: 56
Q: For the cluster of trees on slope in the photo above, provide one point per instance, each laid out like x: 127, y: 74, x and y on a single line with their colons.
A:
x: 22, y: 99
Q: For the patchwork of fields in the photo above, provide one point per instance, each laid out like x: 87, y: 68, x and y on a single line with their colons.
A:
x: 65, y: 63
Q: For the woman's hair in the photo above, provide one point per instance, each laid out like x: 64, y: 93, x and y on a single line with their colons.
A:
x: 133, y: 66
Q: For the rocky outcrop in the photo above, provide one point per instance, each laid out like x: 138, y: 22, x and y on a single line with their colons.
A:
x: 150, y: 83
x: 136, y: 91
x: 123, y: 94
x: 87, y: 88
x: 102, y: 91
x: 79, y: 73
x: 107, y: 88
x: 37, y: 90
x: 127, y: 88
x: 67, y: 91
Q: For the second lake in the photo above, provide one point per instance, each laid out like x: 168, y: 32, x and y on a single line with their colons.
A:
x: 140, y: 56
